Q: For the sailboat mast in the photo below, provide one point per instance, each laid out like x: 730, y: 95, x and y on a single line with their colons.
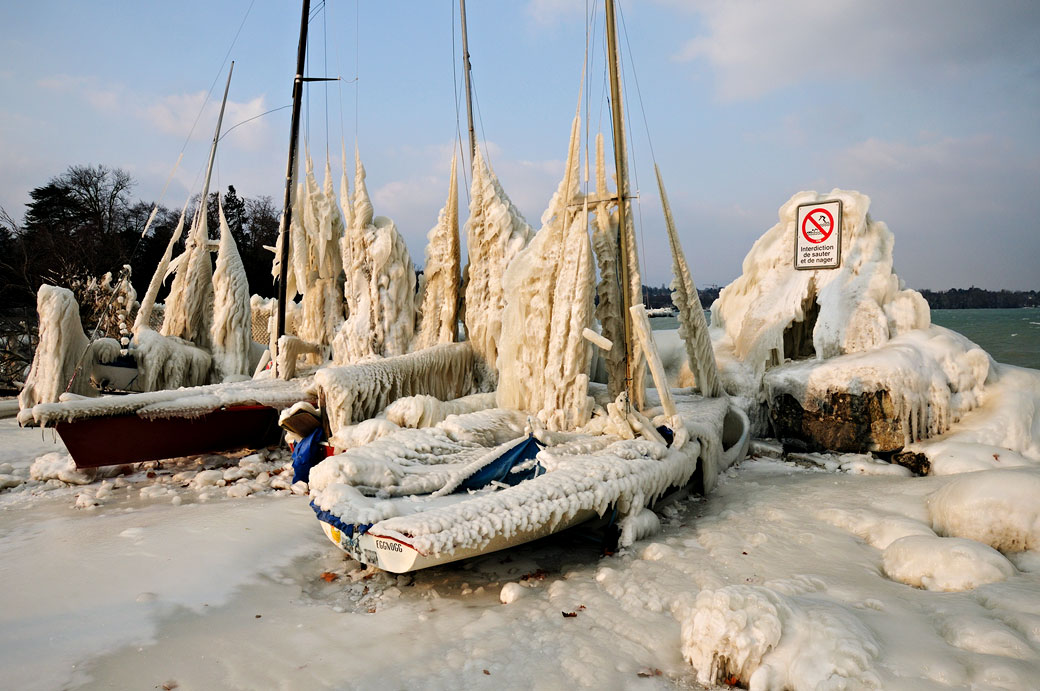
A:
x: 216, y: 138
x: 290, y: 175
x: 618, y: 123
x: 469, y: 92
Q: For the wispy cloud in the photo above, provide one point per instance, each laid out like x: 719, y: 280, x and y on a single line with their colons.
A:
x: 758, y: 47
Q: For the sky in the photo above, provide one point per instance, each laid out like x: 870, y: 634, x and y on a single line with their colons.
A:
x: 929, y: 107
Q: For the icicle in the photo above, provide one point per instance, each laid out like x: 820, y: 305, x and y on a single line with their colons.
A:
x: 231, y: 332
x: 543, y: 358
x: 439, y: 313
x: 495, y: 234
x: 693, y: 327
x: 144, y: 313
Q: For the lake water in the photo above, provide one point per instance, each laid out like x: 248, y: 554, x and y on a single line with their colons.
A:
x: 1009, y: 335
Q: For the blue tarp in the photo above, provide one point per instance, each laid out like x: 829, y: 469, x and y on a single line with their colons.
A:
x: 499, y: 469
x: 307, y: 453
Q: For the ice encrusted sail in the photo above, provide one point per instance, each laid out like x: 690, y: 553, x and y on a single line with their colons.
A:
x: 323, y: 232
x: 439, y: 311
x: 189, y: 308
x: 144, y: 312
x: 231, y: 333
x: 693, y: 327
x: 495, y: 234
x: 381, y: 281
x: 543, y: 359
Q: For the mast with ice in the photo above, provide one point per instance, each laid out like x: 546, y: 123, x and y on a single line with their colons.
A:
x: 188, y: 312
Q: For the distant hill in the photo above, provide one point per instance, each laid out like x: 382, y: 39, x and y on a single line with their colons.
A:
x: 952, y: 299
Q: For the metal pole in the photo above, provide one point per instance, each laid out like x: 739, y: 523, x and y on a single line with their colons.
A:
x: 469, y: 94
x: 290, y: 169
x: 617, y: 120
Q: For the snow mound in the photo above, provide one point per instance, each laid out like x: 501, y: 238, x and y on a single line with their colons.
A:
x: 755, y: 636
x: 949, y: 457
x: 878, y: 530
x: 944, y: 563
x: 999, y: 508
x: 59, y: 466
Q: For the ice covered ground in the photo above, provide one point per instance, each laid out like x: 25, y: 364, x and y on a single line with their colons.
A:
x: 798, y: 572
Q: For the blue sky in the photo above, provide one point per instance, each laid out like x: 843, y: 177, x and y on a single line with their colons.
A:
x: 930, y: 107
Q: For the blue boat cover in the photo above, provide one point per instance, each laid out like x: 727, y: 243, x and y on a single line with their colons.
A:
x: 307, y: 453
x: 500, y: 469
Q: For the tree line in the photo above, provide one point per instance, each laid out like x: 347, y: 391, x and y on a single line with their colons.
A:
x: 84, y: 223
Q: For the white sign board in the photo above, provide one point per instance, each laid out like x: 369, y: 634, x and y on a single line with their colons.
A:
x: 817, y: 242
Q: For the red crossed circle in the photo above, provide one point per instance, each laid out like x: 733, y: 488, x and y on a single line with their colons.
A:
x: 825, y: 233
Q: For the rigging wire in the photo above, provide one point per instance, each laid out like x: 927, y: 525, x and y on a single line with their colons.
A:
x: 456, y: 88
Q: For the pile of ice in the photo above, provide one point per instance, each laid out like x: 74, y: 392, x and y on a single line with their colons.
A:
x: 862, y: 329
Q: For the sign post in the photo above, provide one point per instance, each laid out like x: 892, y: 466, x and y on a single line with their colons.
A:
x: 817, y: 242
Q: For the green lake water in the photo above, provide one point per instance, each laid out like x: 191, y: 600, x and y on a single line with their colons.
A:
x: 1009, y: 335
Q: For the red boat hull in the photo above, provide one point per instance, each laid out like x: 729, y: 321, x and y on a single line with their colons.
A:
x: 124, y: 439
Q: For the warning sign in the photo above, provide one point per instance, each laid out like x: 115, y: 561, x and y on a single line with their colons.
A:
x: 817, y: 242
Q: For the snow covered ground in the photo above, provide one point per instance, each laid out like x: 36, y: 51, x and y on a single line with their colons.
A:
x: 808, y: 571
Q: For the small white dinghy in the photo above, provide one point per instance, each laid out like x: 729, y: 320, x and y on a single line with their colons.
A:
x: 421, y: 497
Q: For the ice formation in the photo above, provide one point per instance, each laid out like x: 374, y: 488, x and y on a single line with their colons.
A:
x: 380, y: 285
x: 359, y: 391
x: 189, y: 307
x: 64, y: 357
x: 933, y: 376
x: 766, y: 639
x: 185, y: 402
x: 584, y: 476
x: 439, y: 311
x: 946, y: 564
x: 861, y: 330
x: 607, y: 245
x: 495, y: 234
x: 168, y: 362
x: 856, y: 307
x: 543, y: 358
x: 144, y: 312
x: 999, y: 508
x: 693, y: 327
x: 318, y: 263
x: 231, y: 332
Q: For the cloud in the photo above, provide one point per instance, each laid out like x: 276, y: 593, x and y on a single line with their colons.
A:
x: 551, y: 12
x: 191, y: 114
x: 963, y: 208
x: 759, y: 47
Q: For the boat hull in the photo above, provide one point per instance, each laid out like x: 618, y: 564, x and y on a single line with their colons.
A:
x: 395, y: 554
x: 121, y: 439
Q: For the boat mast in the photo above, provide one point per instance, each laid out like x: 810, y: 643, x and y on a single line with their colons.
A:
x: 290, y: 175
x: 469, y: 93
x: 617, y: 121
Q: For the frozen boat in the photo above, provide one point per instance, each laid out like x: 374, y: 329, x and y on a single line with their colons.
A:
x: 416, y: 481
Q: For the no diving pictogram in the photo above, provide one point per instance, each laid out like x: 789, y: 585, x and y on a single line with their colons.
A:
x: 817, y: 225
